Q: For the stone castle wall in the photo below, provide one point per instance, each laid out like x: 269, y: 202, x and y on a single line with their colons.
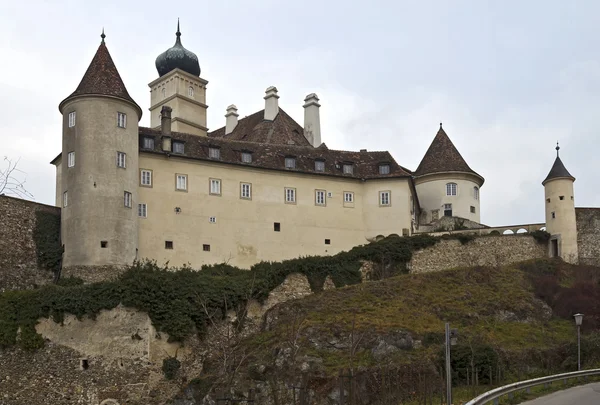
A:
x: 588, y: 235
x: 18, y: 251
x: 481, y: 251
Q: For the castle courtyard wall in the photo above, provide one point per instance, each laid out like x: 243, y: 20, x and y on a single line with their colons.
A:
x: 588, y: 235
x: 481, y: 251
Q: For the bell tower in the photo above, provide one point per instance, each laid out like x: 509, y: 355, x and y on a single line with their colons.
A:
x: 560, y: 212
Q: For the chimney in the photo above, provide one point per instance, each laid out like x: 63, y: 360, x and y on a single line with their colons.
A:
x: 312, y: 120
x: 271, y: 103
x: 165, y: 127
x: 231, y: 119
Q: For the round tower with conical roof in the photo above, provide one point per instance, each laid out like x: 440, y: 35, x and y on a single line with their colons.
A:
x: 560, y: 212
x: 445, y: 183
x: 99, y: 168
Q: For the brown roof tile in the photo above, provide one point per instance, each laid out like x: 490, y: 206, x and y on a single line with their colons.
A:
x: 283, y: 130
x: 442, y: 156
x: 272, y: 155
x: 102, y: 78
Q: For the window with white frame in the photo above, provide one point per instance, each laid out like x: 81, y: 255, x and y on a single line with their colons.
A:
x: 290, y: 162
x: 384, y: 168
x: 65, y: 199
x: 476, y: 192
x: 181, y: 182
x: 142, y: 210
x: 71, y: 159
x: 146, y: 177
x: 384, y: 198
x: 71, y: 119
x: 190, y: 91
x: 215, y: 186
x: 127, y: 199
x: 247, y: 157
x: 246, y: 191
x: 214, y: 153
x: 121, y: 159
x: 320, y: 197
x: 348, y: 168
x: 348, y: 197
x: 148, y: 143
x: 451, y: 189
x: 319, y: 166
x: 290, y: 195
x: 121, y: 120
x: 178, y: 147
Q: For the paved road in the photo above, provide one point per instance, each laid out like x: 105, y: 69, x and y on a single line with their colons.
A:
x: 583, y: 395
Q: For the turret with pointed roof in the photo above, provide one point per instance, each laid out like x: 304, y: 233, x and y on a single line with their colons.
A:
x: 558, y: 169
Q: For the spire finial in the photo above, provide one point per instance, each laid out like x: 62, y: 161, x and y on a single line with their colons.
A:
x: 178, y: 33
x: 557, y: 148
x: 440, y: 125
x: 102, y: 36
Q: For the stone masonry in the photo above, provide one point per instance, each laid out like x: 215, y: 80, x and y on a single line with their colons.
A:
x: 588, y: 235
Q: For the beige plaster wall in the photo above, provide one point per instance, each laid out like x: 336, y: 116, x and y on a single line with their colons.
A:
x: 244, y: 230
x: 432, y: 196
x: 563, y: 227
x: 96, y: 186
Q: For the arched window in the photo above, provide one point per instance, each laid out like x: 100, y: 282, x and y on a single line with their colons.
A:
x: 190, y: 91
x: 476, y: 192
x: 451, y: 189
x: 164, y: 92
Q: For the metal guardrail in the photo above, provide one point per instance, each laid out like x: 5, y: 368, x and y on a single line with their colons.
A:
x: 495, y: 394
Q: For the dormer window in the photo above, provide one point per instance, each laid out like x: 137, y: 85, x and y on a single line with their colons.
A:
x: 247, y: 157
x: 384, y: 168
x: 451, y: 189
x: 290, y: 162
x: 214, y: 153
x: 319, y: 166
x: 148, y: 143
x: 178, y: 147
x: 348, y: 168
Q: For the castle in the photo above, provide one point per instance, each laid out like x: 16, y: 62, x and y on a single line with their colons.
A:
x: 259, y: 188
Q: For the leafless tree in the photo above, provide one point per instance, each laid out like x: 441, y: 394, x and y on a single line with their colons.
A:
x: 12, y: 179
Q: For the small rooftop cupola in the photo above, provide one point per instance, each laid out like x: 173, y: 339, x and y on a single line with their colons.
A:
x: 102, y: 79
x: 558, y: 170
x: 177, y: 57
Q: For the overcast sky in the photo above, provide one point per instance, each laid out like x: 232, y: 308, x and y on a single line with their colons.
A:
x: 507, y: 78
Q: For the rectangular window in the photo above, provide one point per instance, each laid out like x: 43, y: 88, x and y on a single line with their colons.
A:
x: 290, y: 163
x: 276, y: 227
x: 319, y: 166
x: 121, y: 159
x: 178, y: 147
x: 246, y: 157
x: 145, y: 178
x: 71, y: 119
x: 206, y: 248
x: 103, y: 245
x: 320, y: 197
x: 168, y: 244
x: 148, y: 143
x: 553, y: 214
x: 451, y: 189
x: 214, y: 153
x: 127, y: 199
x: 384, y: 198
x: 71, y: 159
x: 348, y: 197
x: 65, y: 199
x: 472, y: 210
x: 447, y: 210
x: 384, y: 169
x: 290, y: 195
x: 328, y: 241
x: 246, y: 191
x: 215, y: 186
x: 142, y: 210
x: 181, y: 182
x: 562, y: 197
x: 476, y: 192
x: 348, y: 168
x: 121, y: 120
x: 212, y: 220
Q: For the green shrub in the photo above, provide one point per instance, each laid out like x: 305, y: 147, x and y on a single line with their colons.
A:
x: 540, y: 236
x: 170, y: 367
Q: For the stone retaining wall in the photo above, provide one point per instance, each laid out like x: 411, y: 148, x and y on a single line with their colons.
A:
x: 588, y: 235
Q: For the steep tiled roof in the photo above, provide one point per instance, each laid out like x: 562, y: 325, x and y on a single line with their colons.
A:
x: 272, y: 155
x: 283, y: 130
x: 442, y: 156
x: 558, y: 170
x: 102, y: 78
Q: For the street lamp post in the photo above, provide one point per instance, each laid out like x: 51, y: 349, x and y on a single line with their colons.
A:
x: 578, y: 320
x: 451, y: 335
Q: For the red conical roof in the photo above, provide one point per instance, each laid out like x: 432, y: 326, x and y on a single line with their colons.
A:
x: 442, y: 156
x: 102, y: 78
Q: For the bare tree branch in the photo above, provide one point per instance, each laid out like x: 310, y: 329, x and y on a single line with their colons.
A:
x: 12, y: 179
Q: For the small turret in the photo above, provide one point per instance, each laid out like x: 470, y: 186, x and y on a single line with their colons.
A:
x: 560, y: 211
